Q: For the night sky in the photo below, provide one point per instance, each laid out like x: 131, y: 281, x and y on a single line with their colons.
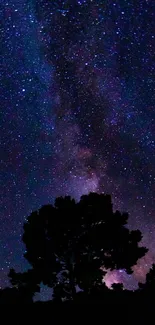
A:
x: 77, y: 101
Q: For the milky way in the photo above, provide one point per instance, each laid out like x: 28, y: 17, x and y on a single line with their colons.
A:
x: 77, y: 113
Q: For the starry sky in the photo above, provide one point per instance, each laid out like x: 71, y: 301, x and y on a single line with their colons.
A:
x: 77, y: 113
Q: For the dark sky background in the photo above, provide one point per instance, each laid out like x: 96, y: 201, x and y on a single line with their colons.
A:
x: 77, y: 113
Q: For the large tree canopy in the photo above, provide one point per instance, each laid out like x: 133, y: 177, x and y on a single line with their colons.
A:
x: 67, y: 243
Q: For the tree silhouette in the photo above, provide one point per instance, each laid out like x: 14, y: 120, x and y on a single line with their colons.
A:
x: 67, y: 244
x: 147, y: 289
x: 26, y: 283
x: 24, y: 287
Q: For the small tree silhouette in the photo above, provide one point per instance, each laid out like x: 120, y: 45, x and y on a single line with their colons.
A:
x: 68, y: 243
x: 148, y: 288
x: 117, y: 287
x: 24, y: 287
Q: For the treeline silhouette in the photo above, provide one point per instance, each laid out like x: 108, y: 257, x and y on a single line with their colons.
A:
x: 70, y: 246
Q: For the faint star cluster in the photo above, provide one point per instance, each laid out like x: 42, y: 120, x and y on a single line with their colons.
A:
x: 77, y: 113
